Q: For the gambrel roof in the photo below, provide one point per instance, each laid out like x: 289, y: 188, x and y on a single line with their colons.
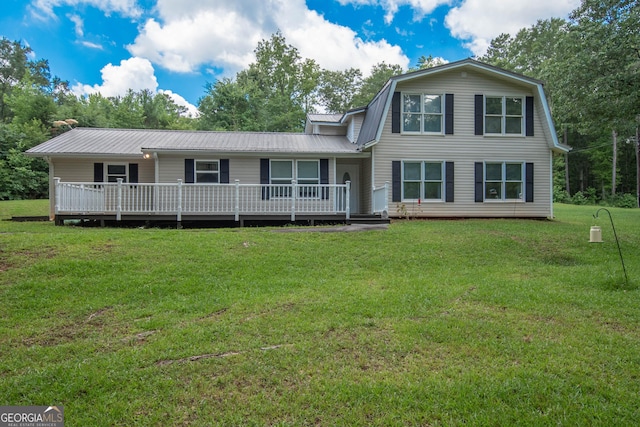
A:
x: 378, y: 108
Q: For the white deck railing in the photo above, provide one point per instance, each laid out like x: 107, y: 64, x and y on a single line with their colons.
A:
x: 205, y: 199
x: 381, y: 199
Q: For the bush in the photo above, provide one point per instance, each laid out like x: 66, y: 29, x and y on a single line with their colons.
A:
x: 622, y: 201
x: 560, y: 195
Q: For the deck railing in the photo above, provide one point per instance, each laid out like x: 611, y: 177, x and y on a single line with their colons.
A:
x: 381, y: 199
x: 205, y: 199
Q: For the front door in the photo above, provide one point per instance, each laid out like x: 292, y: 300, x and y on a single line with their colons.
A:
x: 350, y: 172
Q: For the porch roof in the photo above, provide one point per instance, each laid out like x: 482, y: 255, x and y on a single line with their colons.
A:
x: 133, y: 142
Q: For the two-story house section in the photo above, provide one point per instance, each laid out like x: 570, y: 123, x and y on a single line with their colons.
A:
x: 464, y: 139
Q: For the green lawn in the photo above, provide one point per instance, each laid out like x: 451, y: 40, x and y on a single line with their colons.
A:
x: 472, y: 322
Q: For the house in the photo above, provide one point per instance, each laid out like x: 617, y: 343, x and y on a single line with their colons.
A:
x: 464, y: 139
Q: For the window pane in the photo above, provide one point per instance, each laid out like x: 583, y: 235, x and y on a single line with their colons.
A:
x: 493, y: 106
x: 117, y: 169
x: 308, y: 170
x: 433, y: 104
x: 433, y: 123
x: 514, y: 190
x: 207, y: 166
x: 281, y: 169
x: 114, y: 178
x: 411, y: 103
x: 493, y: 125
x: 514, y: 172
x: 412, y: 171
x: 514, y: 106
x: 433, y: 171
x: 494, y: 171
x: 433, y: 190
x: 206, y: 177
x: 514, y: 125
x: 411, y: 122
x: 493, y: 190
x: 411, y: 190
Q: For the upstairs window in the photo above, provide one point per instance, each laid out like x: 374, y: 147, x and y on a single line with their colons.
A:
x: 422, y: 113
x: 503, y: 115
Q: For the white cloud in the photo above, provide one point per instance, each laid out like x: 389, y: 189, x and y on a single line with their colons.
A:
x: 479, y: 21
x: 421, y: 8
x: 78, y: 23
x: 44, y: 8
x: 92, y: 45
x: 134, y: 73
x: 189, y: 34
x: 192, y: 110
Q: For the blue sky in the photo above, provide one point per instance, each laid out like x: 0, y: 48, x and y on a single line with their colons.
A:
x: 178, y: 46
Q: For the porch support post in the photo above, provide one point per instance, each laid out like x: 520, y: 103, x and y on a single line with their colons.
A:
x: 237, y: 206
x: 56, y: 207
x: 294, y: 189
x: 386, y: 197
x: 348, y: 200
x: 179, y: 213
x: 119, y: 208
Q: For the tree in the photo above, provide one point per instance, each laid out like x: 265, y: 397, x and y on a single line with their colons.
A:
x: 371, y: 85
x: 337, y: 88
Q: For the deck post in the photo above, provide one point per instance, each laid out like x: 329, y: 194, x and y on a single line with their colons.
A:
x: 179, y: 213
x: 348, y: 200
x: 294, y: 189
x: 56, y: 207
x: 386, y: 197
x: 119, y: 208
x: 237, y: 206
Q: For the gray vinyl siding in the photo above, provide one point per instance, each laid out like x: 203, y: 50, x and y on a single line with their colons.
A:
x: 244, y: 169
x: 81, y: 169
x: 464, y: 149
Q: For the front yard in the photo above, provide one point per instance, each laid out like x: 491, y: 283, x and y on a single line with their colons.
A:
x: 469, y: 322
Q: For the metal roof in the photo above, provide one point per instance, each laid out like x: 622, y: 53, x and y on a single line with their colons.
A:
x: 123, y: 142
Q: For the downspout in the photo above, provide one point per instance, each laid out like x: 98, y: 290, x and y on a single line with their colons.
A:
x: 373, y: 177
x: 52, y: 189
x: 551, y: 181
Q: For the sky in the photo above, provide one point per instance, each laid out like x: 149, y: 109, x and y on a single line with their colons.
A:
x: 179, y: 46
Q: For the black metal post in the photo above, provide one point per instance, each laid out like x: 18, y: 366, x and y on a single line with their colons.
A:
x: 617, y: 242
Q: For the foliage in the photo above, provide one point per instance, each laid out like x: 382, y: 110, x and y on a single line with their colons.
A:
x: 264, y: 327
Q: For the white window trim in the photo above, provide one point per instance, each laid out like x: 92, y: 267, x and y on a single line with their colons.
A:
x: 107, y: 174
x: 422, y: 181
x: 195, y: 170
x: 295, y: 176
x: 503, y: 116
x: 422, y: 113
x: 503, y: 182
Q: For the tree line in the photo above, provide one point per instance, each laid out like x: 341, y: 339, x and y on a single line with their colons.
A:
x: 590, y: 64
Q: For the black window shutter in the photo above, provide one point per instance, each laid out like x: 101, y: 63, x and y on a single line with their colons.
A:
x: 189, y: 169
x: 479, y: 115
x: 324, y: 177
x: 528, y: 118
x: 448, y: 182
x: 224, y: 171
x: 448, y: 114
x: 98, y: 172
x: 528, y: 191
x: 133, y: 173
x: 479, y: 178
x: 396, y: 181
x: 264, y: 177
x: 395, y: 113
